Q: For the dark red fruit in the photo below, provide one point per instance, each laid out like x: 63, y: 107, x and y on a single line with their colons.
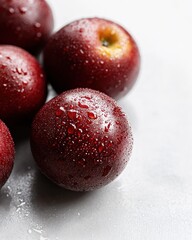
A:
x: 81, y: 139
x: 7, y: 153
x: 93, y: 53
x: 25, y: 23
x: 22, y: 84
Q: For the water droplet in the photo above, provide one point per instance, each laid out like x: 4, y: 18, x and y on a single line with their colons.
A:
x: 39, y: 34
x: 3, y: 66
x: 106, y: 70
x: 37, y: 25
x: 98, y: 161
x: 82, y: 105
x: 86, y: 97
x: 25, y: 82
x: 92, y: 115
x: 71, y: 128
x: 11, y: 10
x: 117, y: 122
x: 101, y: 147
x: 79, y: 132
x: 110, y: 143
x: 81, y: 51
x: 19, y: 70
x: 19, y: 192
x: 22, y: 10
x: 107, y: 127
x: 102, y: 62
x: 106, y: 171
x: 21, y: 204
x: 60, y: 111
x: 5, y: 85
x: 72, y: 114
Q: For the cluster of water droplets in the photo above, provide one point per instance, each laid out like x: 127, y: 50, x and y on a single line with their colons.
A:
x: 83, y: 127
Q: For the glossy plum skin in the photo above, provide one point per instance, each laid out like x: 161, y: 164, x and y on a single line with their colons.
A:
x: 7, y: 153
x: 25, y: 23
x: 22, y: 85
x: 76, y: 57
x: 81, y: 139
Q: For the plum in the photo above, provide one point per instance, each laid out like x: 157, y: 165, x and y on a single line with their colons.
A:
x: 23, y: 87
x: 81, y: 139
x: 25, y: 23
x: 7, y: 153
x: 92, y: 53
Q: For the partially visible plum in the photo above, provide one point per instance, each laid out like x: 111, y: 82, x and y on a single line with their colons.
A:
x: 22, y: 85
x: 25, y: 23
x: 81, y: 139
x: 7, y: 153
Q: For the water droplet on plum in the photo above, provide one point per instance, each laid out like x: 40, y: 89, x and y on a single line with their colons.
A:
x: 37, y: 25
x: 101, y: 147
x: 72, y: 114
x: 92, y: 115
x: 11, y: 10
x: 107, y: 127
x: 81, y: 51
x: 39, y: 34
x: 18, y: 70
x: 59, y: 111
x: 82, y: 105
x: 71, y: 128
x: 22, y: 10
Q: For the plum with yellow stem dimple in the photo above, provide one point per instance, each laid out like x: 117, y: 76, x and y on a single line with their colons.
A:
x: 93, y: 53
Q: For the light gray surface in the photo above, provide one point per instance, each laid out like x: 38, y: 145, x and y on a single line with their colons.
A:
x: 152, y: 199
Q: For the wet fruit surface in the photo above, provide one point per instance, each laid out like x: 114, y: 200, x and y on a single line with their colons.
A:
x: 81, y: 139
x: 93, y: 53
x: 7, y: 153
x: 22, y: 84
x: 25, y: 23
